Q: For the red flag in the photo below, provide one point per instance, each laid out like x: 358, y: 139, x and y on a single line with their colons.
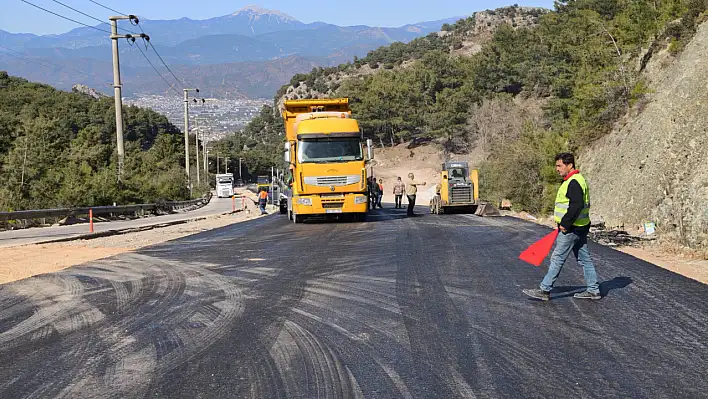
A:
x: 537, y: 252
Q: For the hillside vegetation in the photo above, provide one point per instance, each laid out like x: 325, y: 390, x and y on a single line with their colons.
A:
x: 515, y: 85
x: 582, y: 64
x: 57, y: 149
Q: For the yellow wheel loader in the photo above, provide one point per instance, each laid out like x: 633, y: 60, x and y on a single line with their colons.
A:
x: 459, y: 190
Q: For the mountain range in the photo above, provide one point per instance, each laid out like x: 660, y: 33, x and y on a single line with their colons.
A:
x: 272, y: 45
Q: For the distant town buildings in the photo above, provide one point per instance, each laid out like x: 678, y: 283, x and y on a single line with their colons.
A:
x: 216, y: 118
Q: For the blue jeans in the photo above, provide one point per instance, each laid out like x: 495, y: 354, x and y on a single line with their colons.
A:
x: 579, y: 245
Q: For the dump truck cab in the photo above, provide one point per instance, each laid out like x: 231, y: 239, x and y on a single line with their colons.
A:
x: 326, y: 157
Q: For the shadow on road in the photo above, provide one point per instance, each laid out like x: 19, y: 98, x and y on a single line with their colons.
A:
x: 374, y: 216
x: 605, y: 287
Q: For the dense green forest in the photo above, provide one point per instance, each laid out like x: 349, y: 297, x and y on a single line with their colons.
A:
x: 581, y: 63
x: 57, y: 149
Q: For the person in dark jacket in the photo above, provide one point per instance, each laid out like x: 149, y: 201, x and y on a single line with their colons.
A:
x: 373, y: 192
x: 572, y: 214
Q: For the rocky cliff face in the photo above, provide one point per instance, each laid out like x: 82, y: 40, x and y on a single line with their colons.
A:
x: 654, y: 166
x: 83, y: 89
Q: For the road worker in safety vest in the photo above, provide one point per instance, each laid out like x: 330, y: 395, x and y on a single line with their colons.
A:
x: 572, y: 215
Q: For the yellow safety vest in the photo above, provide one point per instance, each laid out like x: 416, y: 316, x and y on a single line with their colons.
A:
x: 563, y: 203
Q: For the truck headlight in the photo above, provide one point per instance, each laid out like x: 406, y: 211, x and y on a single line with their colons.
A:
x: 304, y: 201
x: 360, y: 200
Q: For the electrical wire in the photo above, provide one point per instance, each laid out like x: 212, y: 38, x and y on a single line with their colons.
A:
x: 92, y: 17
x: 107, y: 8
x: 149, y: 42
x: 158, y: 72
x: 179, y: 82
x: 66, y: 18
x: 165, y: 64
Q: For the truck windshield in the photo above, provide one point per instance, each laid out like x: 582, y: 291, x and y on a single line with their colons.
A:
x: 224, y: 181
x: 323, y: 150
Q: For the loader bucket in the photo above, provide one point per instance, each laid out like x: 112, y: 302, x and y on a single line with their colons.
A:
x: 487, y: 209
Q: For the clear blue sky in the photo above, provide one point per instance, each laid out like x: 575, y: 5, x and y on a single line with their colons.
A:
x: 17, y: 16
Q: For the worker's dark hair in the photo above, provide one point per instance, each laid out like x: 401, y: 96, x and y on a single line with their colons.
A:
x: 566, y: 157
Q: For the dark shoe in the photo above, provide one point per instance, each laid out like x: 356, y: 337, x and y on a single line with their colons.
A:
x: 587, y: 295
x: 538, y: 294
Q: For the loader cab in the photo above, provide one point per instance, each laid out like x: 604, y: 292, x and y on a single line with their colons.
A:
x: 457, y: 186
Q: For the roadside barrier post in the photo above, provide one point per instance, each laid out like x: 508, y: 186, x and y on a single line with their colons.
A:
x: 233, y: 203
x: 91, y: 220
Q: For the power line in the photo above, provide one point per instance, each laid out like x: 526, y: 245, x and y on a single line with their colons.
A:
x: 149, y: 42
x: 179, y: 82
x: 158, y: 72
x: 66, y: 18
x: 163, y: 63
x: 107, y: 8
x: 91, y: 16
x: 80, y: 12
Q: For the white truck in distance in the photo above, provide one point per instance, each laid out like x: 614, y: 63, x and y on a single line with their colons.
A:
x: 224, y: 185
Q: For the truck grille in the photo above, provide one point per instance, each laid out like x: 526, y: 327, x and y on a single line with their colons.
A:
x: 331, y: 205
x: 332, y: 180
x: 460, y: 195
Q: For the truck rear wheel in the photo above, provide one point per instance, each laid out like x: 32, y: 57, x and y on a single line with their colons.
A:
x: 298, y: 218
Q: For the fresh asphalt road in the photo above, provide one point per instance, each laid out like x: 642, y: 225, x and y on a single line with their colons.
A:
x: 216, y: 206
x: 425, y: 307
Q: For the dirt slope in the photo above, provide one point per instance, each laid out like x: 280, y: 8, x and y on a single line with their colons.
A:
x: 654, y: 166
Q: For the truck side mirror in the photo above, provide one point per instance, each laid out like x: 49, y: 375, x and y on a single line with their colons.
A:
x: 286, y: 155
x: 370, y: 148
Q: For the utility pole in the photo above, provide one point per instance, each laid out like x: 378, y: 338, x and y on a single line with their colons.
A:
x: 117, y: 86
x: 227, y: 165
x: 217, y: 163
x: 205, y: 152
x: 186, y: 136
x: 196, y: 148
x: 239, y: 169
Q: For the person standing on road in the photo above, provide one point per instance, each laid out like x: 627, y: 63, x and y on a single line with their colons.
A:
x: 411, y: 190
x: 381, y: 193
x: 398, y: 190
x: 373, y: 192
x: 572, y: 214
x: 263, y: 200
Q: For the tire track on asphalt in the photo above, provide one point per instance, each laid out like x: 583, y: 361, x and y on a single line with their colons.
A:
x: 423, y: 300
x: 126, y: 334
x: 269, y: 301
x: 160, y: 328
x: 350, y: 346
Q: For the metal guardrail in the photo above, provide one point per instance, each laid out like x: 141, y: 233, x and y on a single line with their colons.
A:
x: 103, y: 210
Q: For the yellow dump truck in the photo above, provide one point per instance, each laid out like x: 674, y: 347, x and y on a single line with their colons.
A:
x: 326, y: 157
